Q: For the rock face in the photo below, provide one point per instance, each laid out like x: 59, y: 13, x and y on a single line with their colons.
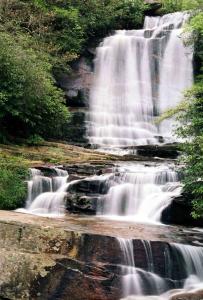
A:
x: 83, y: 195
x: 76, y: 86
x: 89, y: 169
x: 80, y: 203
x: 76, y: 129
x: 163, y: 151
x: 188, y: 296
x: 179, y: 212
x: 153, y: 7
x: 41, y: 262
x: 44, y: 258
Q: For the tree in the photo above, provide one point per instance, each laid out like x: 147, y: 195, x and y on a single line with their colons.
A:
x: 30, y: 103
x: 192, y: 130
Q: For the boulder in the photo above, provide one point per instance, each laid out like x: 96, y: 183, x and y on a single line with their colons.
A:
x: 153, y: 7
x: 179, y: 212
x: 79, y: 203
x: 90, y: 186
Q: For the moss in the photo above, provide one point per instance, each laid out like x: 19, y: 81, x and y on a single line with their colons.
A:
x: 52, y: 153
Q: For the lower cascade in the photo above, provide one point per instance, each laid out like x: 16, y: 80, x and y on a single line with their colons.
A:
x: 138, y: 282
x: 139, y: 193
x: 46, y: 194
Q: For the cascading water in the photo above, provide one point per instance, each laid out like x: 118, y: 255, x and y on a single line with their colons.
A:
x: 46, y: 194
x: 138, y: 75
x: 137, y: 282
x: 140, y: 193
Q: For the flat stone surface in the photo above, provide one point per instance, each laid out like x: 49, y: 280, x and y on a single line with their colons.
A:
x: 101, y: 226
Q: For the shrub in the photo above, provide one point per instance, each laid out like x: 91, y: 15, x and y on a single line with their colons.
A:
x: 30, y: 103
x: 13, y: 188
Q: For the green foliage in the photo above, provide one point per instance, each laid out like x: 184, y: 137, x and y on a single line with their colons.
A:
x: 34, y: 140
x: 13, y: 187
x: 192, y: 125
x: 63, y: 28
x: 169, y: 6
x: 29, y: 101
x: 196, y: 23
x: 38, y: 39
x: 116, y: 14
x: 192, y: 129
x: 181, y: 107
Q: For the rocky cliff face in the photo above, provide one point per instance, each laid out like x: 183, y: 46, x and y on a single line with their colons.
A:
x: 73, y: 258
x: 76, y: 86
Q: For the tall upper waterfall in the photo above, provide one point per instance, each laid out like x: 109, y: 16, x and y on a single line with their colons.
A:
x: 138, y: 75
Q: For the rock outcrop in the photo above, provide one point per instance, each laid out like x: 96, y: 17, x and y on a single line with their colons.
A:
x: 170, y: 151
x: 76, y: 86
x: 44, y: 258
x: 179, y: 212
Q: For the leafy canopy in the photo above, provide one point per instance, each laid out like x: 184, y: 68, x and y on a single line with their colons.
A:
x: 29, y: 101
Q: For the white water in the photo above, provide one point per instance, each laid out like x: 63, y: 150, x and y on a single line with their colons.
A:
x: 138, y: 74
x: 46, y: 195
x: 140, y: 193
x: 148, y: 285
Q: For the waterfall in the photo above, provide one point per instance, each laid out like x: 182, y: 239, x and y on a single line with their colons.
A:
x: 140, y: 193
x: 46, y: 195
x: 138, y: 75
x: 140, y: 282
x: 192, y: 262
x: 131, y: 281
x: 37, y: 185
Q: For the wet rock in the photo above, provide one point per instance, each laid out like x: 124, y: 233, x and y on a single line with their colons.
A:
x: 153, y: 7
x: 48, y: 171
x: 75, y: 130
x: 198, y: 295
x: 75, y: 280
x: 77, y: 203
x: 179, y: 212
x: 66, y: 259
x: 89, y: 169
x: 163, y: 151
x: 73, y: 177
x: 90, y: 186
x: 77, y: 84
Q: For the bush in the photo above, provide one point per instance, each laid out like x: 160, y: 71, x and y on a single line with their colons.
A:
x: 30, y: 103
x: 192, y: 129
x: 169, y: 6
x: 13, y: 188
